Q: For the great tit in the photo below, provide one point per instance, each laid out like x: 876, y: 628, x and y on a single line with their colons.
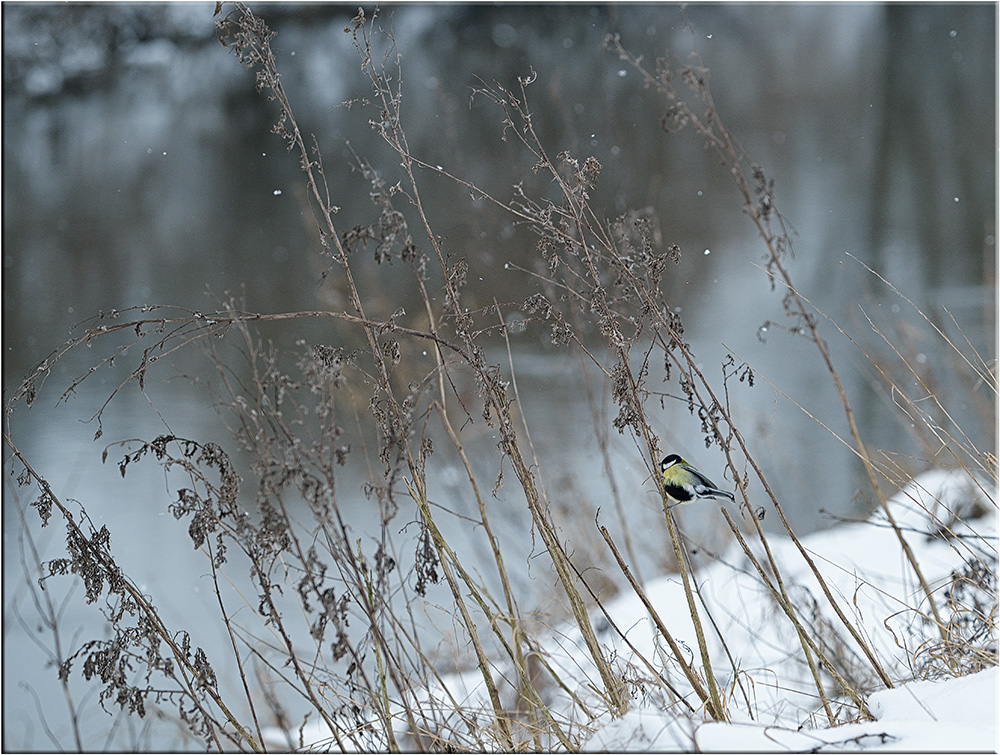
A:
x: 685, y: 484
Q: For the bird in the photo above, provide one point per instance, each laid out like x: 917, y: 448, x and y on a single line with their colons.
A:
x: 685, y: 484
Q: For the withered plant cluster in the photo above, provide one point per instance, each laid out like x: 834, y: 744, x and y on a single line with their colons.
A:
x: 334, y: 620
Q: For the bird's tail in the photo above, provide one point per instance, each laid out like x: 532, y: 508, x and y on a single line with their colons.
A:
x: 720, y: 494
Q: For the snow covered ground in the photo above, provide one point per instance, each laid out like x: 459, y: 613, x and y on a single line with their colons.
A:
x: 865, y: 569
x: 949, y: 715
x: 771, y: 701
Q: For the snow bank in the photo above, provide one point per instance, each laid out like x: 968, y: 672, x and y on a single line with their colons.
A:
x: 876, y: 587
x: 951, y: 715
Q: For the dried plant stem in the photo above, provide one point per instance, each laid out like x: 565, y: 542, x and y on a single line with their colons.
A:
x: 529, y: 692
x: 495, y: 396
x: 733, y: 157
x: 580, y: 217
x: 188, y: 672
x: 446, y: 557
x: 690, y: 674
x: 859, y: 445
x: 782, y: 599
x: 613, y: 686
x: 869, y: 653
x: 49, y: 616
x: 226, y: 620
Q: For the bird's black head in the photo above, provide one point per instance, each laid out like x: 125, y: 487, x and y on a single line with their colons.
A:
x: 669, y: 462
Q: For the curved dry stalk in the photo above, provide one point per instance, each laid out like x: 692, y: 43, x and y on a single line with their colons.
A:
x: 782, y: 599
x: 194, y: 676
x: 778, y: 244
x: 709, y: 701
x: 494, y: 393
x: 445, y: 558
x: 578, y: 214
x: 513, y: 648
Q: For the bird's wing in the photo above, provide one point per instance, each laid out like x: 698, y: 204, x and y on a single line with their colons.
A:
x: 702, y: 480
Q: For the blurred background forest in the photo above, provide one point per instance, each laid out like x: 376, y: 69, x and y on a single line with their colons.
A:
x: 139, y: 167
